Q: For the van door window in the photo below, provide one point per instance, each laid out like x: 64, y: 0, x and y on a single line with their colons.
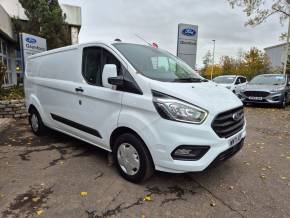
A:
x: 109, y: 58
x: 92, y: 65
x: 130, y: 84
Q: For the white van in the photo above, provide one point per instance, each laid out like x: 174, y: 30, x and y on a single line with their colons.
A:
x: 147, y: 107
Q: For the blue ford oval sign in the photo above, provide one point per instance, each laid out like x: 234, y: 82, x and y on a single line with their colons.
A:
x: 30, y: 40
x: 188, y: 32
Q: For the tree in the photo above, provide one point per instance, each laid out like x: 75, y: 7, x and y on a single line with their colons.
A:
x: 217, y: 71
x: 45, y: 20
x: 3, y: 69
x: 259, y: 10
x: 207, y: 59
x: 229, y: 65
x: 255, y: 62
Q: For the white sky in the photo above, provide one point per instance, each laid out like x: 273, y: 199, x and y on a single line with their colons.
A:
x: 157, y: 20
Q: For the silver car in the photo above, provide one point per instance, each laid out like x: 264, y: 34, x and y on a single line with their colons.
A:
x: 267, y: 89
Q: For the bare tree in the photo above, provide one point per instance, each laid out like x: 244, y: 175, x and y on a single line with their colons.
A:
x: 259, y: 10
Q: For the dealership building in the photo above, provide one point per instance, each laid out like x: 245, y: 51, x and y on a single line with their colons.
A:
x: 276, y: 55
x: 10, y: 53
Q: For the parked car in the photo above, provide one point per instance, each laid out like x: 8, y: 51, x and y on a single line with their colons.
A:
x: 232, y: 82
x: 267, y: 89
x: 147, y: 107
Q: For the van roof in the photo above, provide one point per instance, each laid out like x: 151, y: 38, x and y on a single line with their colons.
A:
x: 71, y: 47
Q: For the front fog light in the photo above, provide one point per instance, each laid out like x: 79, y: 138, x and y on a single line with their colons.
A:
x: 189, y: 152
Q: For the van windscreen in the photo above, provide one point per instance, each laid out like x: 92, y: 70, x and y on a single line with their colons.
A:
x: 157, y: 64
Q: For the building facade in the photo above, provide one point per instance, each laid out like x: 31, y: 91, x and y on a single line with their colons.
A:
x: 276, y: 55
x: 10, y: 53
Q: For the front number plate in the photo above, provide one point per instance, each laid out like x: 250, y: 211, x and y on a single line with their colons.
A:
x: 235, y: 140
x: 255, y: 98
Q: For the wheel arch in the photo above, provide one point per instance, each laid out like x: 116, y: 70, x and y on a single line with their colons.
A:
x: 122, y: 130
x: 33, y: 103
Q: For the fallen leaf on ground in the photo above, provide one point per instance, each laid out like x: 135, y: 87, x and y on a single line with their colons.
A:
x: 83, y: 194
x: 263, y: 176
x: 269, y: 167
x: 283, y: 177
x: 147, y: 198
x: 288, y: 158
x: 143, y: 216
x: 39, y: 211
x: 35, y: 199
x: 264, y: 169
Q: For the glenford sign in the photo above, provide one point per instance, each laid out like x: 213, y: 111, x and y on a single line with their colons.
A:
x: 30, y: 45
x: 186, y: 43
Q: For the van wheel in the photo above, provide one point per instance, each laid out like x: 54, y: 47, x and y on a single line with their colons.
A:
x: 36, y: 123
x: 132, y: 158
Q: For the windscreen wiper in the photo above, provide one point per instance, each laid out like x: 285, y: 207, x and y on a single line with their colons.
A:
x: 190, y: 80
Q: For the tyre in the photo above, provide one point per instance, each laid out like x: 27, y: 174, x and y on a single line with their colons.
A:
x: 36, y: 124
x: 132, y: 158
x: 283, y: 102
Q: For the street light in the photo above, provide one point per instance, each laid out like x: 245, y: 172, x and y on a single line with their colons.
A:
x: 212, y: 65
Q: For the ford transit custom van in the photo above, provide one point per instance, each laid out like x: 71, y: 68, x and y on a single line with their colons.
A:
x: 147, y: 107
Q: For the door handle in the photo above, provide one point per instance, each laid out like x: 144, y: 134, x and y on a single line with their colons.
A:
x: 79, y: 89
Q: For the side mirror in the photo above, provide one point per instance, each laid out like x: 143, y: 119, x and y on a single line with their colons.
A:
x: 116, y: 81
x: 109, y: 71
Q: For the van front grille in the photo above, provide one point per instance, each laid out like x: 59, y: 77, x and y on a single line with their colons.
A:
x: 228, y: 123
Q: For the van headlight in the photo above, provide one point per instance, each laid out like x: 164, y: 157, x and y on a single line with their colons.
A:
x: 171, y: 108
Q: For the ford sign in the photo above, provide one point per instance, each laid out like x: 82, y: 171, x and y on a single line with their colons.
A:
x: 30, y: 40
x: 188, y: 32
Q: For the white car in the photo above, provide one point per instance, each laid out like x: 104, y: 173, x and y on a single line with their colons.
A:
x: 231, y: 82
x: 147, y: 107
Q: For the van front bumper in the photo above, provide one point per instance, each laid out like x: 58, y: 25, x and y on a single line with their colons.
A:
x: 174, y: 134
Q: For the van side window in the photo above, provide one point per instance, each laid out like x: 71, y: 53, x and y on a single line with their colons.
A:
x: 92, y: 65
x: 109, y: 58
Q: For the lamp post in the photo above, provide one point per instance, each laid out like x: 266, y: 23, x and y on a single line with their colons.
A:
x: 212, y: 65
